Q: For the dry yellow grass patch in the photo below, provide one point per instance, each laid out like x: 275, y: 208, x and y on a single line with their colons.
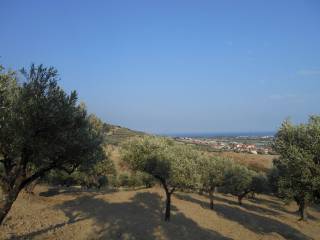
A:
x: 262, y: 162
x: 73, y: 214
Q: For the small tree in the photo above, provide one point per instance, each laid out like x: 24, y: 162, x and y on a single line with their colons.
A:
x: 212, y: 174
x: 238, y: 181
x: 41, y: 128
x: 298, y: 166
x: 96, y: 175
x: 259, y: 183
x: 273, y: 181
x: 174, y: 166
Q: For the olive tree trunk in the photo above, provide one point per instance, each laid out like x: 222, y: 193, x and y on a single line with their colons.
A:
x: 8, y: 198
x: 11, y: 186
x: 31, y: 186
x: 168, y: 199
x: 168, y: 207
x: 302, y: 212
x: 241, y: 196
x: 301, y: 202
x: 211, y: 191
x: 302, y: 209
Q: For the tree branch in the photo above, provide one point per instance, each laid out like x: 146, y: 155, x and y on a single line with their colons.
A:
x: 36, y: 175
x: 69, y: 171
x: 172, y: 190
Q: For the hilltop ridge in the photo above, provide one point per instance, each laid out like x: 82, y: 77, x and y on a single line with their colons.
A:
x: 117, y: 134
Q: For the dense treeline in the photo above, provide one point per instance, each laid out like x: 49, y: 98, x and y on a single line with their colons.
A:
x: 179, y: 167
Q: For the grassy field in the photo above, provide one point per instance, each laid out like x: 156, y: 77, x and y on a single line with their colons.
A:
x: 257, y: 162
x: 73, y: 214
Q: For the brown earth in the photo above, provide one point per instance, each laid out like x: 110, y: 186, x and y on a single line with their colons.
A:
x: 70, y: 213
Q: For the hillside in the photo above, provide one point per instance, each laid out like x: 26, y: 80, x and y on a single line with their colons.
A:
x: 69, y: 213
x: 116, y: 134
x: 255, y: 162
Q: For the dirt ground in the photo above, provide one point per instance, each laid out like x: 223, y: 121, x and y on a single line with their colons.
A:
x: 74, y: 214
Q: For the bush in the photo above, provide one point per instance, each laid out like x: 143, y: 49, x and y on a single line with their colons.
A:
x: 123, y: 180
x: 273, y: 179
x: 146, y: 180
x: 238, y: 180
x: 259, y: 183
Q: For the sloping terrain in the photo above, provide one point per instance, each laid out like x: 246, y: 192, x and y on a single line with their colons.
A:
x: 116, y: 134
x: 256, y: 162
x: 73, y: 214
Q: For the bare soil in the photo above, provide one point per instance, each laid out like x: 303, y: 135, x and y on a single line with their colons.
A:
x: 69, y: 213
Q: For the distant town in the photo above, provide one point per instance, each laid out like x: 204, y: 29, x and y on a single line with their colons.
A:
x: 245, y: 144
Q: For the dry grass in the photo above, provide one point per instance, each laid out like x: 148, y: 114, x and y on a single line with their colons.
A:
x: 114, y: 155
x: 72, y: 214
x: 258, y: 162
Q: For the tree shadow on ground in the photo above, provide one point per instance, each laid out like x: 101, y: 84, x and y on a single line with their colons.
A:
x: 139, y: 218
x: 205, y: 204
x: 254, y: 222
x: 280, y: 206
x: 259, y: 224
x: 53, y: 191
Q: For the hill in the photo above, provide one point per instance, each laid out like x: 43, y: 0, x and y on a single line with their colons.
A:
x: 68, y: 213
x: 117, y: 134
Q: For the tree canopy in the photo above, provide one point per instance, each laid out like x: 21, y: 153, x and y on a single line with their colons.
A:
x: 298, y: 167
x: 212, y: 172
x: 238, y: 181
x: 173, y: 165
x: 41, y: 128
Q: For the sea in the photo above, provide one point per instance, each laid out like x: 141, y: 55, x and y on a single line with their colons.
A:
x: 223, y: 134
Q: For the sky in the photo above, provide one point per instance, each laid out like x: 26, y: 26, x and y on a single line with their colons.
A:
x: 175, y: 66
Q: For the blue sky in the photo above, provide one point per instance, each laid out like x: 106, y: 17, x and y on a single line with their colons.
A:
x: 175, y: 66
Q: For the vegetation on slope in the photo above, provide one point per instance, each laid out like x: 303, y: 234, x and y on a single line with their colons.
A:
x: 115, y: 135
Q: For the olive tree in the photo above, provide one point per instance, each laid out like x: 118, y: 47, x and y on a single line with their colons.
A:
x: 173, y: 165
x: 298, y: 167
x: 41, y: 128
x: 96, y: 175
x: 212, y: 171
x: 238, y: 181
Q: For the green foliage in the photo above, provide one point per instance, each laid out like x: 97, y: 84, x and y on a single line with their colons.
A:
x: 163, y: 159
x: 56, y: 177
x: 135, y: 179
x: 173, y: 165
x: 273, y: 181
x: 213, y: 171
x: 238, y: 179
x: 259, y: 183
x: 44, y: 125
x: 116, y: 135
x: 97, y: 175
x: 41, y: 128
x: 124, y: 180
x: 146, y: 180
x: 298, y: 166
